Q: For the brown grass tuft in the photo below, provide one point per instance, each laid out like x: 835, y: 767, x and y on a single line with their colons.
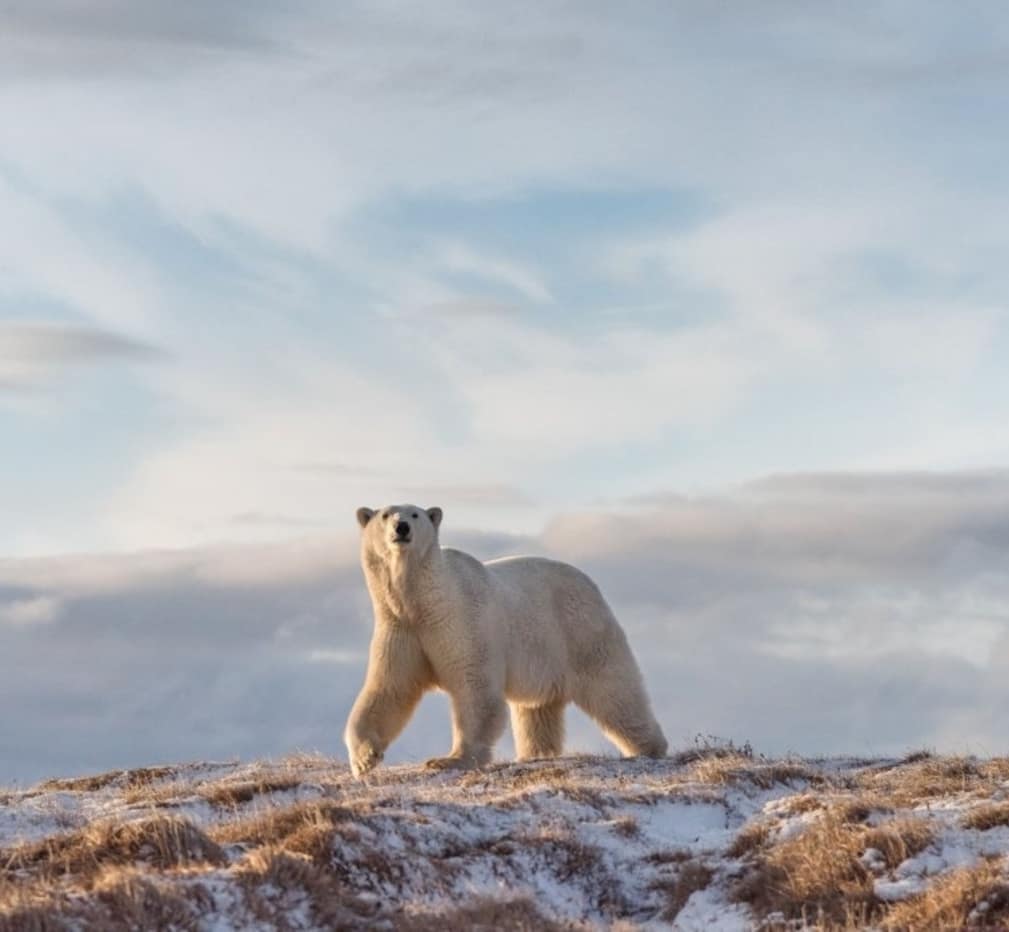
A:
x: 749, y: 839
x: 991, y: 815
x: 691, y: 876
x: 128, y: 900
x: 673, y: 856
x: 486, y: 915
x: 229, y: 795
x: 977, y: 897
x: 305, y: 827
x: 995, y: 768
x: 535, y: 776
x: 272, y: 877
x: 817, y: 875
x: 802, y: 802
x: 626, y: 827
x: 861, y: 807
x: 121, y: 900
x: 925, y: 778
x: 730, y: 769
x: 710, y: 746
x: 140, y: 776
x: 568, y: 858
x: 159, y: 842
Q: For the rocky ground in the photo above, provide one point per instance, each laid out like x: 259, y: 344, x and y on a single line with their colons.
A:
x: 714, y: 838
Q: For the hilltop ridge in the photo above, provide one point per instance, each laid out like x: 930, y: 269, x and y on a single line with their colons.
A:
x: 713, y: 838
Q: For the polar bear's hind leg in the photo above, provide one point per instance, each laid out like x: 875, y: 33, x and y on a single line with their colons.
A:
x: 620, y: 707
x: 538, y: 730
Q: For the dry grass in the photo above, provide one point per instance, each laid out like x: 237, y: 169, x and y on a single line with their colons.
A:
x: 749, y: 839
x: 141, y: 776
x: 802, y: 802
x: 922, y: 778
x: 626, y: 827
x: 272, y: 878
x: 568, y: 858
x: 304, y: 828
x: 119, y: 901
x: 405, y: 849
x: 709, y: 746
x: 690, y: 877
x: 229, y: 795
x: 518, y: 779
x: 735, y: 768
x: 966, y: 899
x: 675, y: 856
x: 488, y: 915
x: 990, y: 815
x: 818, y: 876
x: 159, y: 842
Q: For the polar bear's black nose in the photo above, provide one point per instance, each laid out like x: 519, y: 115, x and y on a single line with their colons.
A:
x: 402, y: 529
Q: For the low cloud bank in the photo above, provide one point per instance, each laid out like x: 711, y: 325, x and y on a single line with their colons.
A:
x: 816, y: 614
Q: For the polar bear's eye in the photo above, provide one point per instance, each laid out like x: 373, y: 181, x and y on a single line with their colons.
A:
x: 415, y: 516
x: 385, y: 516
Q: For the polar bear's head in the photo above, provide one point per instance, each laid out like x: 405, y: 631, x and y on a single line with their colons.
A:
x: 398, y: 530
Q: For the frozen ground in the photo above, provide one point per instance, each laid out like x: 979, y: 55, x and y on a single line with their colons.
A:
x: 711, y: 839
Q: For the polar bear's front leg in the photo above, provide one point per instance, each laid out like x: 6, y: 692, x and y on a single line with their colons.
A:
x: 377, y: 717
x: 479, y: 717
x: 397, y: 677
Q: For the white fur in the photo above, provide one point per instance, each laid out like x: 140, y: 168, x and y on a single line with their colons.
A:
x: 532, y: 633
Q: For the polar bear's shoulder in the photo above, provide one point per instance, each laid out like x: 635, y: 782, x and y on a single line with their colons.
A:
x: 463, y: 564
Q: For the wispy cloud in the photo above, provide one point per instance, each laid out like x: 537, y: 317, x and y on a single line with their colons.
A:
x: 391, y: 238
x: 482, y: 493
x: 457, y: 257
x: 34, y: 353
x: 39, y: 610
x: 64, y: 38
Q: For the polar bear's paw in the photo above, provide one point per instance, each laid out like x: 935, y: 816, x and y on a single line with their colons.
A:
x: 451, y: 763
x: 364, y: 758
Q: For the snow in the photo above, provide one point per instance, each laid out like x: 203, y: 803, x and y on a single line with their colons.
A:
x: 683, y: 824
x: 708, y: 910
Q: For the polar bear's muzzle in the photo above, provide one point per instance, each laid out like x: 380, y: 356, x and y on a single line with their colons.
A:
x: 402, y: 533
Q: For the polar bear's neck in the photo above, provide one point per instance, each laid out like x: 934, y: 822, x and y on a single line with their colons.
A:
x: 407, y: 589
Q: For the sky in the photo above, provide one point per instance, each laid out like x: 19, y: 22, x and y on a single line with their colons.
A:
x: 710, y: 299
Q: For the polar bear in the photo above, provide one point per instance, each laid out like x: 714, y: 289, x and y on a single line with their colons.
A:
x: 528, y: 632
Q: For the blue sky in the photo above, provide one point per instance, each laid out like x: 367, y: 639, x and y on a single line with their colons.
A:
x: 262, y: 265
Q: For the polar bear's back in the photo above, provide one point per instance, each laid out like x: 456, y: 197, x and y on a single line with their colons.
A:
x: 546, y: 597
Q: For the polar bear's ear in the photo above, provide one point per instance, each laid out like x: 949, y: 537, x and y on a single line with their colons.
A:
x: 435, y: 515
x: 364, y: 515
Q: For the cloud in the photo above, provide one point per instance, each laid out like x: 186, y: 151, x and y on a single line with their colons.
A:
x: 56, y: 344
x: 486, y: 494
x: 435, y: 404
x: 31, y: 611
x: 35, y: 353
x: 814, y: 528
x: 766, y: 193
x: 469, y: 306
x: 67, y: 39
x: 261, y: 519
x: 587, y: 391
x: 457, y: 257
x: 816, y: 613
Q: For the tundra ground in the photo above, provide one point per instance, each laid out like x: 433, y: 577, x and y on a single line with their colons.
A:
x: 712, y: 838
